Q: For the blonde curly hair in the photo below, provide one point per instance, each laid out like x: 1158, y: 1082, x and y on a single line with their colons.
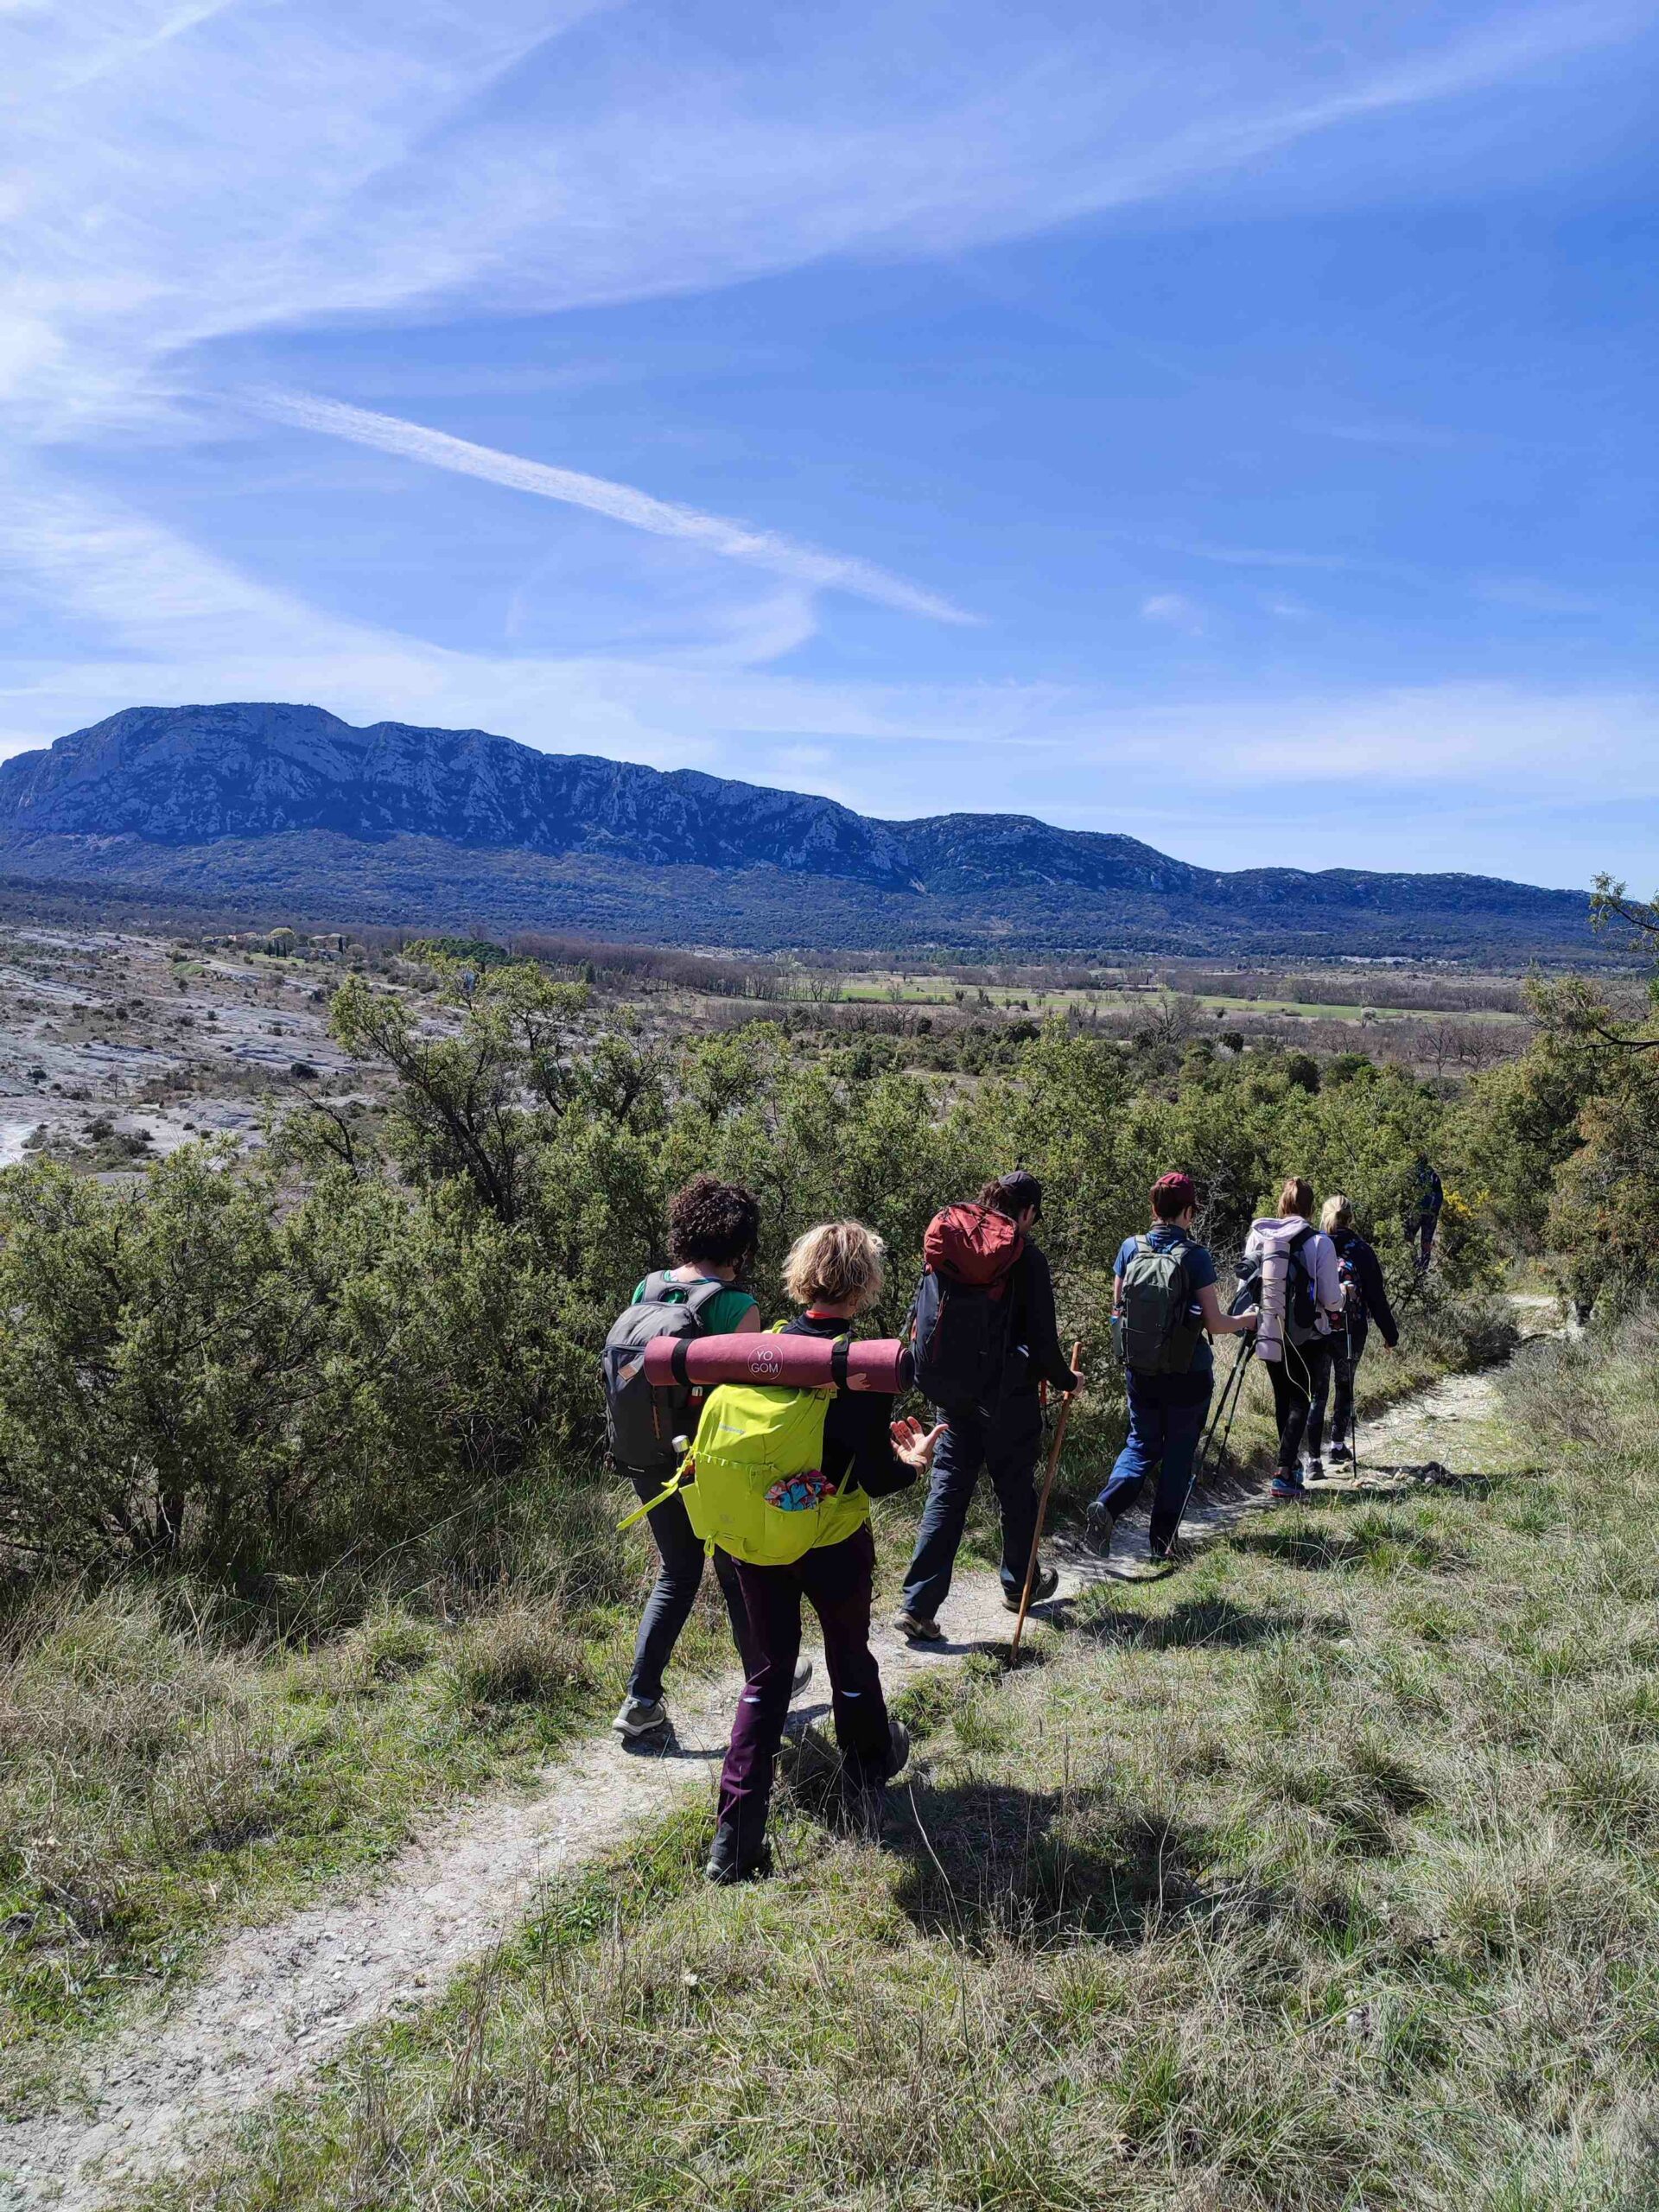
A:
x: 838, y: 1263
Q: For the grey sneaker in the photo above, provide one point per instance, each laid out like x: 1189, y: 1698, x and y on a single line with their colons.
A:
x: 1313, y: 1468
x: 802, y: 1676
x: 1044, y: 1582
x: 640, y: 1716
x: 919, y: 1627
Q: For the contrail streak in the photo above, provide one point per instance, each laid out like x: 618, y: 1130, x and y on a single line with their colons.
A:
x: 622, y: 502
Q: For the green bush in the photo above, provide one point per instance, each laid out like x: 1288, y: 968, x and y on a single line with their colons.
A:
x: 393, y: 1321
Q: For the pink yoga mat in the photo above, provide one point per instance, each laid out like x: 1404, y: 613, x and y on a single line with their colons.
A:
x: 790, y: 1362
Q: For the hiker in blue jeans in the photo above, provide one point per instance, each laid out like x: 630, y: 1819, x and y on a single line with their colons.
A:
x: 1168, y: 1401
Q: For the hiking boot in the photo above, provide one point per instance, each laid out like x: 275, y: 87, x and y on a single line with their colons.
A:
x: 1098, y: 1524
x: 919, y: 1627
x: 802, y: 1676
x: 1312, y: 1470
x: 1286, y: 1486
x: 1341, y: 1454
x: 1044, y: 1584
x: 731, y: 1859
x: 640, y: 1716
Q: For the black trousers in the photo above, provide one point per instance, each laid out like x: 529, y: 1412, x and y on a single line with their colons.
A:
x: 1302, y: 1375
x: 679, y: 1576
x: 1339, y: 1376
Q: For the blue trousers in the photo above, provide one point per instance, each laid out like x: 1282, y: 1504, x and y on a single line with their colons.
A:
x: 1167, y: 1418
x: 1006, y: 1445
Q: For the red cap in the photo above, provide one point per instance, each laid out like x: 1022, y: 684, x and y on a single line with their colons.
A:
x: 1177, y: 1185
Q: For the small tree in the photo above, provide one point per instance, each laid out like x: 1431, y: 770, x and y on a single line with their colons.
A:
x: 466, y: 1098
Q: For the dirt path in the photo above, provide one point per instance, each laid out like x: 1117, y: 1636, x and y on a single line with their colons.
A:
x: 280, y: 2002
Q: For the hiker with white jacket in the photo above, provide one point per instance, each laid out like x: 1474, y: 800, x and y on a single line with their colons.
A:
x: 1290, y: 1270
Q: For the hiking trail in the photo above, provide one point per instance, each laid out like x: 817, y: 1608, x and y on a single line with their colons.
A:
x: 279, y: 2001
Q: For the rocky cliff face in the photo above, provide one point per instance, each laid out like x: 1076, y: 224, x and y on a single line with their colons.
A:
x: 188, y: 775
x: 274, y: 790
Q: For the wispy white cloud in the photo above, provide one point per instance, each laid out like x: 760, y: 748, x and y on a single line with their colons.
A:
x: 178, y: 174
x: 1174, y: 611
x: 734, y: 541
x: 1250, y: 556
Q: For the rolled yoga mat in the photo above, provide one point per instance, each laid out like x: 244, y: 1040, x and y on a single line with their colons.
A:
x: 786, y: 1363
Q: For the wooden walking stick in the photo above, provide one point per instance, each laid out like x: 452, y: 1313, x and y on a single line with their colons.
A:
x: 1053, y: 1469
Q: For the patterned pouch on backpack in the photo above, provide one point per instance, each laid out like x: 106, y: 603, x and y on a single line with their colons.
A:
x: 800, y: 1493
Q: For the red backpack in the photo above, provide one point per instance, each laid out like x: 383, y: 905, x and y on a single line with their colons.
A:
x: 959, y: 1328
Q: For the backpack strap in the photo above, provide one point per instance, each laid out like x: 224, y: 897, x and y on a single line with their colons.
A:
x: 838, y: 1353
x: 669, y: 1490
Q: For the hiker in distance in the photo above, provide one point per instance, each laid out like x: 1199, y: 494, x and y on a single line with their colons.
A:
x: 985, y: 1337
x: 1364, y: 1300
x: 1423, y: 1217
x: 808, y: 1536
x: 713, y: 1229
x: 1165, y: 1309
x: 1290, y: 1271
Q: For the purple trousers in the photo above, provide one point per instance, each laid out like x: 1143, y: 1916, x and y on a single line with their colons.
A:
x: 837, y: 1580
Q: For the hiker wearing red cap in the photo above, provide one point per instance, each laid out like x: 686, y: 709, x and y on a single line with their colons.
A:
x: 1163, y: 1304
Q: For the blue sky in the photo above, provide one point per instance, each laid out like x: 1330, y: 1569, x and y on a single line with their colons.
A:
x: 1231, y: 424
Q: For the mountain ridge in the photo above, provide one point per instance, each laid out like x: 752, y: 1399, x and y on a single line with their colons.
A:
x: 268, y: 800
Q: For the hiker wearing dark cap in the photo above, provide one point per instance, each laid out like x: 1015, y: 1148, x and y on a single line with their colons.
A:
x: 1163, y: 1303
x: 987, y: 1372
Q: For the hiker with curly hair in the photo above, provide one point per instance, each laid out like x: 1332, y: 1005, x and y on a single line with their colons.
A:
x: 713, y: 1229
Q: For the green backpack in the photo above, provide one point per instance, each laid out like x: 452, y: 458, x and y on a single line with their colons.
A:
x: 1156, y: 1335
x: 752, y: 1482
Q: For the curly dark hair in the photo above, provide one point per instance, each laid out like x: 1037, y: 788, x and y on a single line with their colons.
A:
x: 715, y: 1222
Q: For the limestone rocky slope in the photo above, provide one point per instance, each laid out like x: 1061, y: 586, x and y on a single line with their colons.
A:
x: 270, y: 807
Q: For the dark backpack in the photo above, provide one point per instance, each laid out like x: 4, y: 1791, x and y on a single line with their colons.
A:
x: 1158, y: 1335
x: 959, y: 1323
x: 642, y: 1419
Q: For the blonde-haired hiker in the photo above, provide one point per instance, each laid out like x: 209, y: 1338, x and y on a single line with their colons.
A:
x: 834, y: 1273
x: 1364, y: 1300
x: 1290, y: 1268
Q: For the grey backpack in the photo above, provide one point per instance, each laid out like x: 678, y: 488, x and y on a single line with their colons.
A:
x: 1158, y: 1337
x: 641, y: 1420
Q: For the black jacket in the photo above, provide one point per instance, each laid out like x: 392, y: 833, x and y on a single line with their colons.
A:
x: 857, y: 1425
x: 1373, y: 1302
x: 1034, y: 1353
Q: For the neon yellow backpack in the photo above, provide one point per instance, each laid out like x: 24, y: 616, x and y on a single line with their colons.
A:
x: 753, y: 1481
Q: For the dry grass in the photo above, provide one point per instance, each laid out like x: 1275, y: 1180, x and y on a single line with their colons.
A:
x: 1320, y: 1876
x: 171, y: 1762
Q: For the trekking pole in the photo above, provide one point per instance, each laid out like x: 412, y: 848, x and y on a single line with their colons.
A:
x: 1231, y: 1391
x: 1042, y: 1504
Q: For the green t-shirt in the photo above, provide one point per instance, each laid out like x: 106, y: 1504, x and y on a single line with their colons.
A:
x: 725, y: 1314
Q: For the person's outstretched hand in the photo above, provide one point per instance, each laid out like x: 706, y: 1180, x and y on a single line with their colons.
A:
x: 914, y: 1444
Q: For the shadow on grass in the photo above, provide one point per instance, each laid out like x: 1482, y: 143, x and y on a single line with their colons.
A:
x: 1376, y: 1544
x: 1200, y: 1621
x: 987, y: 1862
